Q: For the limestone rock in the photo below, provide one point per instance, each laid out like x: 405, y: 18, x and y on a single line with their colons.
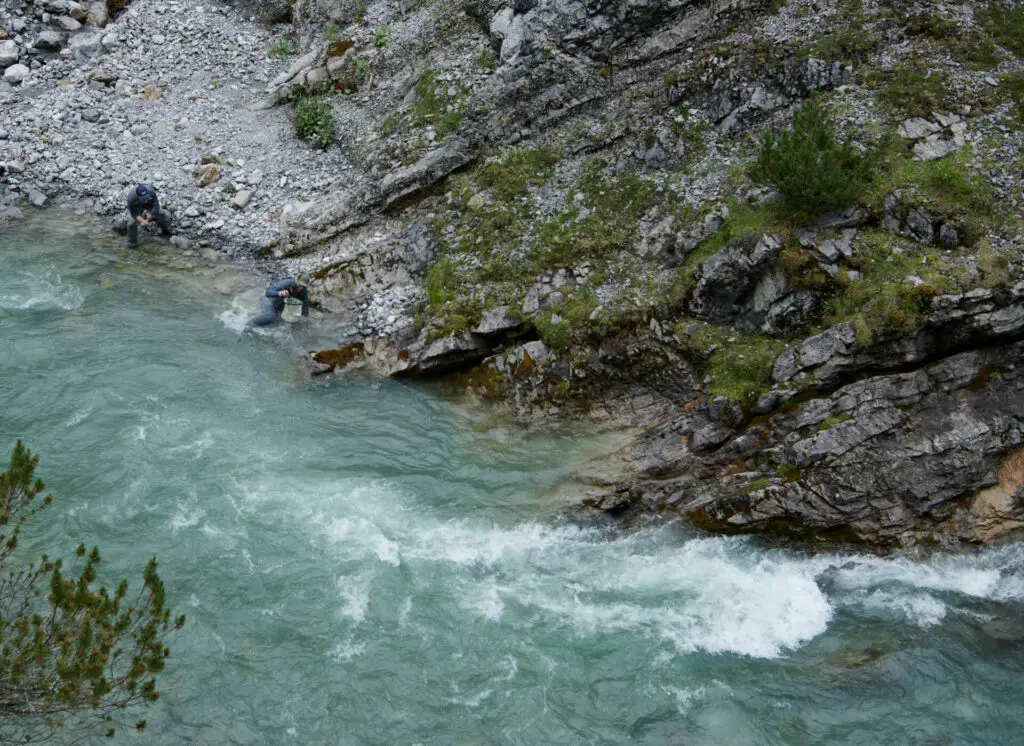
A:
x: 49, y: 40
x: 933, y: 148
x: 241, y: 199
x: 208, y: 174
x: 97, y: 14
x: 9, y: 53
x: 16, y: 73
x: 68, y: 24
x: 918, y: 128
x: 87, y: 46
x: 496, y: 322
x: 728, y: 277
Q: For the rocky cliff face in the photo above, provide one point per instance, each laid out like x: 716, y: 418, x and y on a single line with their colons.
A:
x: 573, y: 210
x: 581, y: 231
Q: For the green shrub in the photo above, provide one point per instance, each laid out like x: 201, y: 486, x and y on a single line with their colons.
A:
x: 285, y: 47
x: 442, y: 282
x: 485, y: 58
x: 916, y: 91
x: 332, y: 33
x: 956, y: 183
x: 812, y: 170
x: 1005, y: 21
x: 383, y: 36
x: 976, y: 51
x: 314, y: 120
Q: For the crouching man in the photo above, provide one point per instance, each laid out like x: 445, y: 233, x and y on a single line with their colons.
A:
x: 144, y: 209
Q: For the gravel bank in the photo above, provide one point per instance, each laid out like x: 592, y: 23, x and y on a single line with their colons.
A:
x: 148, y: 98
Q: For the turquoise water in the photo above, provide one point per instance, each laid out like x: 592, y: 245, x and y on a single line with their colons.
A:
x: 365, y: 563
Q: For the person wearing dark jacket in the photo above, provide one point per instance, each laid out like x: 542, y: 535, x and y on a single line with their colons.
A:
x: 272, y: 302
x: 144, y: 208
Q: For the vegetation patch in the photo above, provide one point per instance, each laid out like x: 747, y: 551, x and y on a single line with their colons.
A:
x: 831, y: 421
x: 740, y: 365
x: 600, y: 216
x: 497, y: 240
x: 995, y: 267
x: 951, y: 186
x: 757, y: 485
x: 511, y: 177
x: 914, y: 89
x: 1005, y: 21
x: 439, y: 104
x: 693, y: 132
x: 485, y: 58
x: 332, y: 33
x: 563, y: 327
x: 283, y: 47
x: 849, y: 42
x: 314, y: 120
x: 813, y: 170
x: 887, y: 301
x: 1013, y: 86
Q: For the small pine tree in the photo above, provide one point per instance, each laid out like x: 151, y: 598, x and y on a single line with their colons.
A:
x: 813, y: 171
x: 72, y: 655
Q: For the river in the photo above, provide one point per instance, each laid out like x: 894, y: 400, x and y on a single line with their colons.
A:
x: 367, y: 563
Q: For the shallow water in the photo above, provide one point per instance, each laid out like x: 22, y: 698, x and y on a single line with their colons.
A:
x: 364, y: 563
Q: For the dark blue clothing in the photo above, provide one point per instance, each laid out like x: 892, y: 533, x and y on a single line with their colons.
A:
x: 272, y: 302
x: 270, y: 312
x: 274, y: 291
x: 137, y: 208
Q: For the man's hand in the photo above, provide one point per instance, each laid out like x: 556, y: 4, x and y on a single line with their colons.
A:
x: 285, y: 293
x: 144, y: 218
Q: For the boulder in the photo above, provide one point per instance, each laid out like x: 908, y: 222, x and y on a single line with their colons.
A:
x: 49, y: 40
x: 917, y: 128
x: 241, y: 199
x: 68, y: 24
x: 207, y: 174
x: 87, y: 46
x: 97, y: 14
x: 729, y: 277
x: 9, y: 53
x: 16, y: 73
x: 498, y: 321
x: 78, y: 11
x: 933, y: 148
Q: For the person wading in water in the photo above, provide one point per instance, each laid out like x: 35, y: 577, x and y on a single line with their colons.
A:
x: 272, y: 302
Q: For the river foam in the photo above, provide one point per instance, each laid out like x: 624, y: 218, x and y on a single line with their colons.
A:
x: 712, y: 595
x: 42, y: 289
